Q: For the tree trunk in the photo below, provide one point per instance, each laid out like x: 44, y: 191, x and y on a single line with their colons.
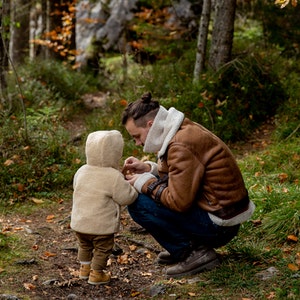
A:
x: 54, y: 21
x: 202, y: 39
x: 222, y: 35
x: 4, y: 42
x: 19, y: 31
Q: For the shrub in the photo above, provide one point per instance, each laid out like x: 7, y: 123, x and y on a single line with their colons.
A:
x: 42, y: 164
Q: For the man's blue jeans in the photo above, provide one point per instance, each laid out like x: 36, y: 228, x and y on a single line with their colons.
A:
x: 179, y: 233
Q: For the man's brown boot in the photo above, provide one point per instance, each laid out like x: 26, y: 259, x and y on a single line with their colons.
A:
x: 199, y: 260
x: 84, y: 271
x: 165, y: 258
x: 98, y: 277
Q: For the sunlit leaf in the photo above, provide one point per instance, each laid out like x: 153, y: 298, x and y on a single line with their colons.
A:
x: 35, y: 277
x: 135, y: 293
x: 49, y: 254
x: 256, y: 222
x: 29, y: 286
x: 282, y: 3
x: 37, y: 201
x: 123, y: 259
x: 18, y: 228
x: 8, y: 162
x: 132, y: 247
x: 50, y: 218
x: 293, y: 267
x: 292, y: 238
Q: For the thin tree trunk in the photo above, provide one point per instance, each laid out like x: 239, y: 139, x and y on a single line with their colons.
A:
x: 4, y: 42
x: 202, y: 39
x: 222, y: 35
x: 19, y: 31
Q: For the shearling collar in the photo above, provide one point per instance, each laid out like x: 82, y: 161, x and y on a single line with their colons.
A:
x: 163, y: 129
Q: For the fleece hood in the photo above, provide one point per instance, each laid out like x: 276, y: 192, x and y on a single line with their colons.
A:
x: 104, y: 148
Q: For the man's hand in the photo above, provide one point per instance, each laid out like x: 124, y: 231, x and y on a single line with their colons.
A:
x: 133, y: 165
x: 132, y: 178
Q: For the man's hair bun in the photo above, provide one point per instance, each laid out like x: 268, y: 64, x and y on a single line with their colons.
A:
x: 146, y: 98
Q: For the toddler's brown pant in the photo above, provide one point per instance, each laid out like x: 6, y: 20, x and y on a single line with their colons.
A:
x: 95, y: 248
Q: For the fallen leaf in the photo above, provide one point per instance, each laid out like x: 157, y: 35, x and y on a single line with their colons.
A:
x: 60, y: 201
x: 18, y: 228
x: 37, y: 201
x: 35, y: 277
x: 135, y: 293
x: 29, y: 286
x: 132, y: 247
x: 35, y: 247
x: 282, y: 177
x: 192, y: 294
x: 272, y: 295
x: 49, y: 254
x: 50, y: 218
x: 269, y: 188
x: 256, y: 222
x: 77, y: 161
x: 8, y: 162
x: 292, y: 238
x: 109, y: 262
x: 20, y: 187
x: 123, y: 259
x: 123, y: 102
x: 293, y: 267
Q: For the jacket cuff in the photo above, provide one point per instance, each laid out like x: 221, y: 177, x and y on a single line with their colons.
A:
x: 153, y: 166
x: 141, y: 180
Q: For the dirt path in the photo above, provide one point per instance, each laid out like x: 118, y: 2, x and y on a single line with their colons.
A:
x: 50, y: 269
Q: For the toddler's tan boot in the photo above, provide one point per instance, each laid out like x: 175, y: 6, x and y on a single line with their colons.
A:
x: 98, y: 277
x: 84, y: 271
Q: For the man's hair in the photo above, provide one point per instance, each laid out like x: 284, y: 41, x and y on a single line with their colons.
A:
x: 141, y: 110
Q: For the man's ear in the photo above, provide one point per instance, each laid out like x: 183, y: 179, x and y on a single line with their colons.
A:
x: 150, y: 123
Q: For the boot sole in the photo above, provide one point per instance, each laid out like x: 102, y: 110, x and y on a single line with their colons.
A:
x: 207, y: 267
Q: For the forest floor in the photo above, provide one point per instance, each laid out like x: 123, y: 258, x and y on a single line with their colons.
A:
x: 50, y: 269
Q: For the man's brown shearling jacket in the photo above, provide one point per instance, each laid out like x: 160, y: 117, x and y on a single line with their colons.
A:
x: 201, y: 170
